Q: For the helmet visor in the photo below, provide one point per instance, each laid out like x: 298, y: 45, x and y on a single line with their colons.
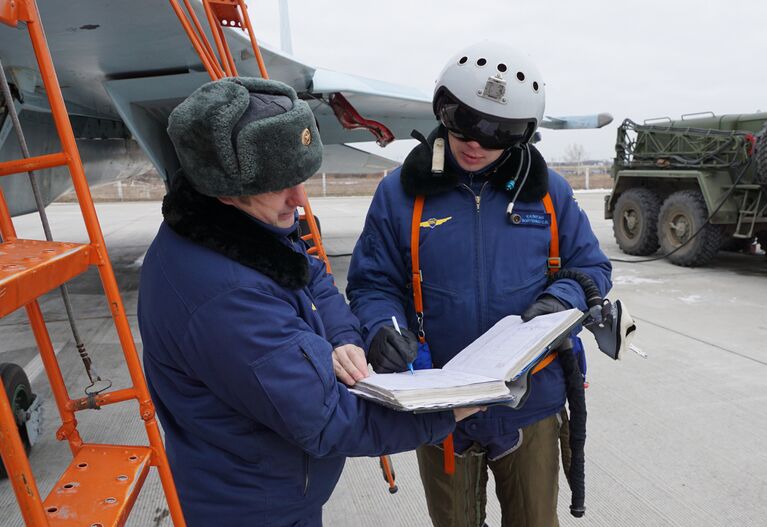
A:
x: 490, y: 132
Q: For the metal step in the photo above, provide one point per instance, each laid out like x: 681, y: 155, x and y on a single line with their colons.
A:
x: 31, y: 268
x: 99, y: 487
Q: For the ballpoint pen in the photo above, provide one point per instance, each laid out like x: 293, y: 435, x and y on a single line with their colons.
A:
x: 396, y: 326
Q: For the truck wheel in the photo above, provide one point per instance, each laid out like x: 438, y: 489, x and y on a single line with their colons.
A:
x: 682, y: 214
x: 635, y: 221
x: 19, y: 392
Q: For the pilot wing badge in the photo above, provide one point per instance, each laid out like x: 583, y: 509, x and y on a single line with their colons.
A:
x: 434, y: 222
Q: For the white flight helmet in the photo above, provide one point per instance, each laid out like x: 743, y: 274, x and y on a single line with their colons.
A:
x: 490, y: 93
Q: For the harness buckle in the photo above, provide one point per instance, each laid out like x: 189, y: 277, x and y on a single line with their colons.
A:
x: 419, y: 318
x: 554, y: 263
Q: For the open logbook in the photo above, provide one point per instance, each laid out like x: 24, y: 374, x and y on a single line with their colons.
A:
x: 485, y: 372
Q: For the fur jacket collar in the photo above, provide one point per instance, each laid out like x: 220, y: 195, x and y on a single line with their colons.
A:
x: 208, y: 222
x: 417, y: 177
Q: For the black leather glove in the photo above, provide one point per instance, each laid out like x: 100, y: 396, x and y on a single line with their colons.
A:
x: 391, y: 352
x: 545, y: 304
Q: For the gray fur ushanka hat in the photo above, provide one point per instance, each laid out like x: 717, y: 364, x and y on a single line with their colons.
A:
x: 229, y: 146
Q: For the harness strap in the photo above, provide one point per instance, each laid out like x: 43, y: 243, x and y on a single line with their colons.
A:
x: 554, y: 264
x: 415, y: 235
x: 415, y: 266
x: 545, y: 361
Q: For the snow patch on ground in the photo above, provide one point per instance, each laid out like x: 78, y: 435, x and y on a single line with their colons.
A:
x: 691, y: 299
x: 634, y: 280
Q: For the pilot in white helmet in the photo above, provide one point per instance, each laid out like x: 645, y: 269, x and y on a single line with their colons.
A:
x: 466, y: 232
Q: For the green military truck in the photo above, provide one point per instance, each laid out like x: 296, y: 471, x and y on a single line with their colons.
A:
x: 690, y: 187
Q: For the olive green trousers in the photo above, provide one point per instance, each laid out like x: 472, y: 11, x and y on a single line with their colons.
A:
x: 526, y: 481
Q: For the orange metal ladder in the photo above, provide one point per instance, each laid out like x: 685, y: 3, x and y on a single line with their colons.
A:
x: 101, y: 484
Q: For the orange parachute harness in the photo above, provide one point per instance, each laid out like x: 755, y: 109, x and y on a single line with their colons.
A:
x: 554, y: 264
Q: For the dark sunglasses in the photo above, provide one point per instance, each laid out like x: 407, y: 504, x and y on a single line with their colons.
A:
x: 491, y: 133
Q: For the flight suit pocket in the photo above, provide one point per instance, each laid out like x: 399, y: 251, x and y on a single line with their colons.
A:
x: 316, y: 352
x: 300, y: 385
x: 439, y: 301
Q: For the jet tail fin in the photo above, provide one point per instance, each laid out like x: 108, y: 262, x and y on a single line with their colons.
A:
x: 286, y: 38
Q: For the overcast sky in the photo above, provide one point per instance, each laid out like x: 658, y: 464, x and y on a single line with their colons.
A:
x: 636, y: 60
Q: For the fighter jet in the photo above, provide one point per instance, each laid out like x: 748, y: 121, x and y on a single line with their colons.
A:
x: 123, y: 66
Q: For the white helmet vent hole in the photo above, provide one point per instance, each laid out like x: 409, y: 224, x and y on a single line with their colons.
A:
x: 463, y: 60
x: 481, y: 62
x: 502, y: 68
x: 520, y: 76
x: 535, y: 86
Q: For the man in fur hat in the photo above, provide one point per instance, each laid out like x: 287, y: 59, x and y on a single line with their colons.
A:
x: 243, y: 332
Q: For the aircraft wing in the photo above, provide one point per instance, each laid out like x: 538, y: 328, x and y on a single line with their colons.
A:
x: 132, y: 62
x: 123, y: 66
x: 345, y: 159
x: 400, y: 108
x: 572, y: 122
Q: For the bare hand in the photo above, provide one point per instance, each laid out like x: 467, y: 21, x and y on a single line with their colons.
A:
x: 350, y: 364
x: 463, y: 413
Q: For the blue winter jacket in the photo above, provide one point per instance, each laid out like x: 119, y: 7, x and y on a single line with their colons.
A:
x: 240, y: 370
x: 477, y: 267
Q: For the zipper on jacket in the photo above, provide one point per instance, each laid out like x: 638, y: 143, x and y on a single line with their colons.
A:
x: 481, y: 283
x: 470, y: 188
x: 477, y: 197
x: 478, y: 256
x: 306, y: 473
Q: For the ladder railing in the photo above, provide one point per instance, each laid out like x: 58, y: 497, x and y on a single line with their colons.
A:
x: 752, y: 206
x: 102, y: 482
